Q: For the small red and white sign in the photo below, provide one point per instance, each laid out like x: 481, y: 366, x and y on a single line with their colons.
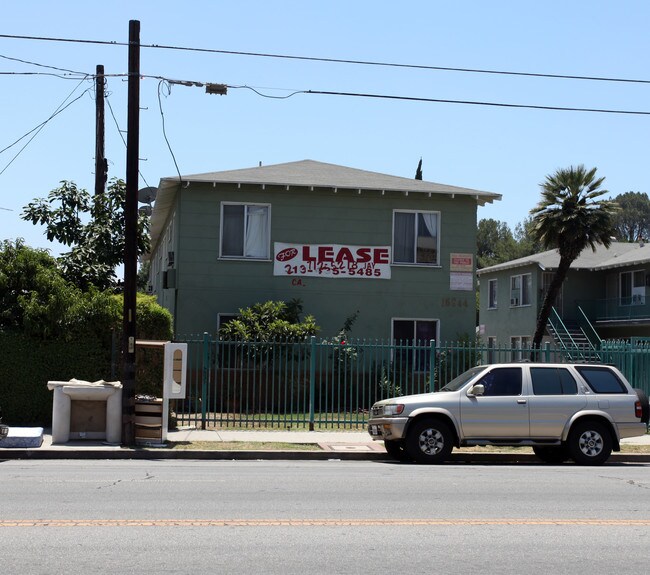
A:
x: 331, y: 261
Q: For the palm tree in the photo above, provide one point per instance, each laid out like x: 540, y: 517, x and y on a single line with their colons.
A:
x: 570, y: 216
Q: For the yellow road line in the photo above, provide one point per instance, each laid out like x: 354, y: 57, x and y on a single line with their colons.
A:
x: 313, y: 522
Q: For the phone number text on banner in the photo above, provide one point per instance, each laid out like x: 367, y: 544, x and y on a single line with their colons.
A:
x: 331, y: 261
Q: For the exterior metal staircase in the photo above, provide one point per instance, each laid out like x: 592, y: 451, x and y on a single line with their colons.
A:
x: 578, y: 340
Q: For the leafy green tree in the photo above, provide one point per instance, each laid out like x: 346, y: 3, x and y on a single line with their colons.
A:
x: 495, y: 243
x: 570, y: 216
x: 632, y: 222
x: 35, y: 298
x: 527, y: 245
x: 92, y: 226
x: 143, y: 276
x: 268, y: 321
x: 22, y: 270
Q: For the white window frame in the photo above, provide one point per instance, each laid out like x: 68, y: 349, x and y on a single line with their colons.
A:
x: 518, y: 302
x: 246, y: 205
x: 493, y: 294
x: 415, y: 239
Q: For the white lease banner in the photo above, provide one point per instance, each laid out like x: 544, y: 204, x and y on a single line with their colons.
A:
x: 331, y: 261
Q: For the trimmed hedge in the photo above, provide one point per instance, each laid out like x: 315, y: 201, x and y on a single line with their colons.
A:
x: 27, y: 364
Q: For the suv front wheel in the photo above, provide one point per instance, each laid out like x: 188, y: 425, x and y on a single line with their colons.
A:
x: 429, y: 441
x: 397, y: 450
x: 590, y: 443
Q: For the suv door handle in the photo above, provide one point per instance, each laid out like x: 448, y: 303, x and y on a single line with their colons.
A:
x: 521, y: 401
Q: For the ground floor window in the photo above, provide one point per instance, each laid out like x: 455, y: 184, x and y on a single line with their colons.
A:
x: 492, y: 344
x: 520, y: 345
x: 412, y: 338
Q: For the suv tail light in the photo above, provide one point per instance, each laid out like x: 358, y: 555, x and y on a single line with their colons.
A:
x: 638, y: 410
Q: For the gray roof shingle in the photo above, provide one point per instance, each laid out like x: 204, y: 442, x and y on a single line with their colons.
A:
x: 304, y: 174
x: 619, y: 254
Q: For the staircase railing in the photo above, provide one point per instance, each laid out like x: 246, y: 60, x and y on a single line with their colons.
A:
x: 562, y: 335
x: 575, y: 351
x: 588, y: 329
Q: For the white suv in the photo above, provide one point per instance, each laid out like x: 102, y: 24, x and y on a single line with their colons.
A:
x: 563, y: 411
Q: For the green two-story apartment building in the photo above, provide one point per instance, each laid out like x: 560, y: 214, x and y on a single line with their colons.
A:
x: 606, y: 295
x: 399, y: 251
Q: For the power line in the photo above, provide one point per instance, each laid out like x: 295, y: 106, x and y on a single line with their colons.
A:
x: 446, y: 101
x: 60, y: 108
x: 169, y: 81
x: 119, y: 131
x: 338, y: 60
x: 162, y: 115
x: 42, y: 65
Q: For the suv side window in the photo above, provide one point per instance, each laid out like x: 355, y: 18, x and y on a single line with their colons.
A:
x: 601, y: 380
x: 502, y: 381
x: 553, y: 381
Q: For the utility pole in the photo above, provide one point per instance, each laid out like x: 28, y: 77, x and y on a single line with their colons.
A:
x: 101, y: 166
x: 131, y: 236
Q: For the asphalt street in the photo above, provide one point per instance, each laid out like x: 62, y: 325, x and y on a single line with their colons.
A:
x: 322, y: 517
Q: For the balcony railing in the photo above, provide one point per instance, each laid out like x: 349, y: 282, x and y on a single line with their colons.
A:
x: 624, y: 309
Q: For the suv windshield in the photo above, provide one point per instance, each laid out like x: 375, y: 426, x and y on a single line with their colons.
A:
x: 458, y: 382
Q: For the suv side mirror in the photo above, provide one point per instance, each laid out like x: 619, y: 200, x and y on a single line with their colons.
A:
x: 476, y: 389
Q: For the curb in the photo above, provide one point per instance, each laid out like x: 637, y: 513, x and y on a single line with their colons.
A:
x: 271, y: 455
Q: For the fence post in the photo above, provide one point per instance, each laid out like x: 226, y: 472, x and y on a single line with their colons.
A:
x: 547, y: 352
x: 312, y: 382
x: 432, y: 365
x: 204, y: 376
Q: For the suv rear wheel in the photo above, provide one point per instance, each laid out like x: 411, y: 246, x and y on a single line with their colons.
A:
x: 590, y: 443
x: 429, y: 441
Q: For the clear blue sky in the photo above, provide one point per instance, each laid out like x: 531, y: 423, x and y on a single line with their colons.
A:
x: 508, y: 151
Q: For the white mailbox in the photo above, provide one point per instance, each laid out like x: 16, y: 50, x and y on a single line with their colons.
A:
x: 175, y: 370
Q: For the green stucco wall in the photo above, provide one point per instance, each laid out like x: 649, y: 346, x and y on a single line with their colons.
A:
x: 206, y: 285
x: 506, y: 321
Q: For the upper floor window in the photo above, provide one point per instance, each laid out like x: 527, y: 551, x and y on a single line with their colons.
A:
x: 245, y: 230
x: 492, y: 294
x: 520, y: 290
x: 416, y: 237
x: 633, y: 288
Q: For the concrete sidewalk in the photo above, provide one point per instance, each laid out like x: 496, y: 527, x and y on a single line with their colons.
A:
x: 348, y: 445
